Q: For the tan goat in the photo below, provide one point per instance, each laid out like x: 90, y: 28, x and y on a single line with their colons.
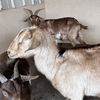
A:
x: 74, y: 74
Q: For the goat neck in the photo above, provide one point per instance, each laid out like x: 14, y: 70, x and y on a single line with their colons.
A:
x: 45, y: 59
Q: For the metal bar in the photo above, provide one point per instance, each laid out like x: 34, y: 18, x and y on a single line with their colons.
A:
x: 12, y: 3
x: 32, y: 1
x: 39, y: 1
x: 18, y: 3
x: 6, y: 4
x: 0, y: 5
x: 23, y: 2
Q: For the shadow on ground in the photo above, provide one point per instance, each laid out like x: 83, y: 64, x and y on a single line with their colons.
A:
x: 43, y: 90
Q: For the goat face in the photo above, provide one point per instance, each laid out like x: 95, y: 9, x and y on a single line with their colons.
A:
x: 35, y: 20
x: 15, y: 90
x: 23, y: 43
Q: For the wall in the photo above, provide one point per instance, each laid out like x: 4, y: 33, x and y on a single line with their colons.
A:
x: 6, y: 4
x: 12, y: 21
x: 86, y: 11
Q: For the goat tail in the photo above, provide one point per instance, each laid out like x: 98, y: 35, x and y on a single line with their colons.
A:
x: 83, y: 27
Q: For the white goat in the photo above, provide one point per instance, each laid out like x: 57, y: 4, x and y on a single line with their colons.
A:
x: 74, y: 74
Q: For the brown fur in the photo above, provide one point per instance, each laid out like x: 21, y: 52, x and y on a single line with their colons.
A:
x: 17, y: 88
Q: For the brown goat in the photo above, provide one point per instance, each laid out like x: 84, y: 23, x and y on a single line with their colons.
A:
x: 25, y: 66
x: 65, y: 29
x: 15, y: 88
x: 7, y: 65
x: 6, y: 69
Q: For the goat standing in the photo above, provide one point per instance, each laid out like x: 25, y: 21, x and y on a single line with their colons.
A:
x: 65, y: 29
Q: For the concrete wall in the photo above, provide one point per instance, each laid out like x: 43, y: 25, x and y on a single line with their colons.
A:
x: 11, y: 21
x: 86, y: 11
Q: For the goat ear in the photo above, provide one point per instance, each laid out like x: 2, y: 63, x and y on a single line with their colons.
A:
x: 28, y: 78
x: 27, y: 19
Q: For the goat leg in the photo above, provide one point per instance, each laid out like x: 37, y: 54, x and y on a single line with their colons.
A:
x: 79, y: 38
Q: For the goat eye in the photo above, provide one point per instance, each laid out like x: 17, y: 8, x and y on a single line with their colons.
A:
x: 19, y: 43
x: 5, y: 93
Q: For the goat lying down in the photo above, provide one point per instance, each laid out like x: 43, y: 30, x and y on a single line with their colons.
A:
x: 64, y: 29
x: 15, y: 88
x: 74, y: 74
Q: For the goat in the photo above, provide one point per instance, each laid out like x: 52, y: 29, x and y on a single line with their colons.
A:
x: 74, y: 74
x: 24, y: 66
x: 7, y: 65
x: 15, y: 88
x: 34, y: 18
x: 65, y: 29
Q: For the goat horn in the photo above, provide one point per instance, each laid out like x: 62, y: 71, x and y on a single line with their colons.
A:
x: 16, y: 72
x: 3, y: 79
x: 30, y: 11
x: 37, y: 11
x: 28, y: 78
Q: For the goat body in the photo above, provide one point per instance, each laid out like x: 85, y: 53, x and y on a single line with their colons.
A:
x: 66, y: 29
x: 74, y: 74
